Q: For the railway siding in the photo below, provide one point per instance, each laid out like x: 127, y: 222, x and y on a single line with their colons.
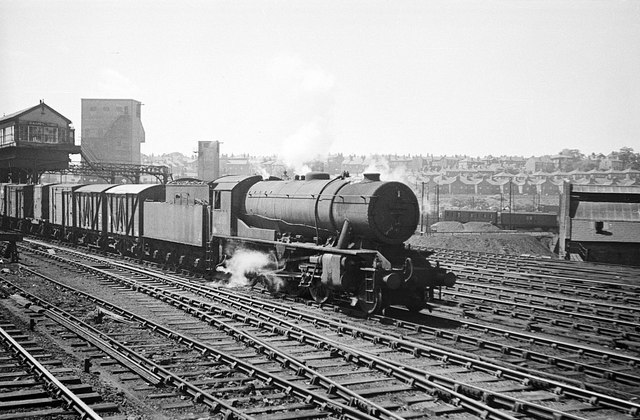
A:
x: 369, y: 368
x: 567, y: 389
x: 35, y: 384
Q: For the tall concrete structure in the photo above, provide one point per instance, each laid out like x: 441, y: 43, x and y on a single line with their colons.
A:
x: 112, y: 130
x: 208, y: 160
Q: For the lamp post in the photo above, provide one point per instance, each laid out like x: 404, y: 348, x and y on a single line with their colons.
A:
x: 437, y: 202
x: 422, y: 210
x: 428, y: 201
x: 510, y: 205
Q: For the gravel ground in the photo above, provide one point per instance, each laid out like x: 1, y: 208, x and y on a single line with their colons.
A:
x: 499, y: 243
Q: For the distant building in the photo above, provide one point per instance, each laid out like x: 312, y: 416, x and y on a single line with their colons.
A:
x: 600, y: 223
x: 236, y: 166
x: 611, y: 162
x: 354, y: 164
x: 112, y: 130
x: 539, y: 164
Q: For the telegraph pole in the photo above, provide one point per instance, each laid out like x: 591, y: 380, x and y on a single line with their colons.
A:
x: 510, y: 205
x: 422, y: 210
x: 438, y: 201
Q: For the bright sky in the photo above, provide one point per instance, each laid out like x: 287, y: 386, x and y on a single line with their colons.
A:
x: 300, y: 78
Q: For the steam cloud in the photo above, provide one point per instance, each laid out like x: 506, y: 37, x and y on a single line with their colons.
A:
x: 245, y: 265
x: 381, y: 166
x: 312, y: 92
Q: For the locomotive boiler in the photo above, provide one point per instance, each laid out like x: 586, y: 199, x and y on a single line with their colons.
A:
x: 376, y: 213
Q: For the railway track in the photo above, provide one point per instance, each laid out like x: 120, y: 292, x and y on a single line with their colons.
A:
x: 594, y: 328
x: 214, y: 374
x: 603, y: 293
x: 563, y: 301
x: 582, y: 272
x: 600, y: 311
x: 280, y: 358
x: 36, y: 384
x: 430, y: 367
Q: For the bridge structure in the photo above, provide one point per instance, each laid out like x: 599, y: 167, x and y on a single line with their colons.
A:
x: 114, y: 173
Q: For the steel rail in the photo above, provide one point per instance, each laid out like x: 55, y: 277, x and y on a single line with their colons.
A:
x: 576, y: 305
x: 532, y: 355
x: 119, y: 352
x: 433, y: 380
x: 371, y: 409
x: 529, y: 338
x: 544, y: 266
x: 56, y: 387
x: 553, y: 321
x: 620, y: 291
x: 153, y: 370
x: 428, y: 384
x: 447, y: 355
x: 522, y: 281
x: 566, y: 389
x: 581, y: 350
x: 526, y: 354
x: 532, y: 339
x: 575, y: 392
x: 193, y: 307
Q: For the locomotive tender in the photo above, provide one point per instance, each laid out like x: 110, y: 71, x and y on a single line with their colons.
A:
x: 332, y: 237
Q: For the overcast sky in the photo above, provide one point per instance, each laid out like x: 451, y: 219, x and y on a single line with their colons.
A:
x: 300, y: 78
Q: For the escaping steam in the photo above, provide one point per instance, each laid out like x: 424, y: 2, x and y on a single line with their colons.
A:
x: 245, y: 267
x: 306, y: 144
x: 381, y: 165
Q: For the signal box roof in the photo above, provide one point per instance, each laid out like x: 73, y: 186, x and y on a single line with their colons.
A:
x: 18, y: 114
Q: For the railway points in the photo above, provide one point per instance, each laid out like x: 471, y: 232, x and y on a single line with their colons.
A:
x: 461, y: 355
x: 35, y: 383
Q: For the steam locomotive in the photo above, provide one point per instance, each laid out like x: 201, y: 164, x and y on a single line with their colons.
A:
x: 329, y: 237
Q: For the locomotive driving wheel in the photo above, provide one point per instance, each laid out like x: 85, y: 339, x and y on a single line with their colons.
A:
x: 415, y: 305
x: 319, y: 292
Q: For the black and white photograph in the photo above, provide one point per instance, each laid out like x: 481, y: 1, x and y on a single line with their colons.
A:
x: 304, y: 209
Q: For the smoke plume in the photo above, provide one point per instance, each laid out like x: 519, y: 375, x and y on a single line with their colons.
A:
x: 381, y: 165
x: 311, y: 103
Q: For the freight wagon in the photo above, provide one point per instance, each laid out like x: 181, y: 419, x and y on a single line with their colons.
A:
x: 527, y: 221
